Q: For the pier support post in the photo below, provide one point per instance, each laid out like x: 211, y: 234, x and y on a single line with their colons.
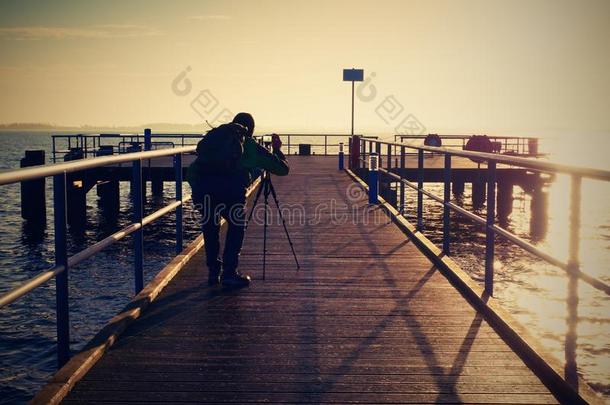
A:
x: 110, y: 196
x: 108, y: 190
x: 156, y: 182
x: 505, y: 200
x: 458, y: 186
x: 33, y: 196
x: 539, y: 215
x: 478, y: 192
x: 76, y: 192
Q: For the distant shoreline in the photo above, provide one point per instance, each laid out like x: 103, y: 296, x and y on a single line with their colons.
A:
x: 163, y: 126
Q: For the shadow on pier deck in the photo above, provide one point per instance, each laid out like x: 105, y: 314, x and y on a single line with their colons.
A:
x: 367, y: 319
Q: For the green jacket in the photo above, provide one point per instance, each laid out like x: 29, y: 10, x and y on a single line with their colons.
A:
x: 255, y: 156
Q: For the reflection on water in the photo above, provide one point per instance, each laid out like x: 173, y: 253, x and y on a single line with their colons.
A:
x: 539, y: 217
x: 569, y: 317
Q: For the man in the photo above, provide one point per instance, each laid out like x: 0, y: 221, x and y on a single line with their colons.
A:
x: 222, y: 193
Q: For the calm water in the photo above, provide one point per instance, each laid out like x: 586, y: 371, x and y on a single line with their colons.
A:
x: 532, y: 291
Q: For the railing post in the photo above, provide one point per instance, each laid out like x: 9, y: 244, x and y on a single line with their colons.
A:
x: 402, y: 178
x: 571, y: 370
x: 288, y: 145
x: 325, y: 145
x: 357, y: 144
x: 446, y: 210
x: 389, y: 164
x: 61, y: 259
x: 147, y: 139
x: 350, y: 152
x: 378, y: 150
x: 138, y: 238
x: 373, y: 178
x: 420, y: 186
x: 489, y: 233
x: 178, y: 176
x: 340, y: 155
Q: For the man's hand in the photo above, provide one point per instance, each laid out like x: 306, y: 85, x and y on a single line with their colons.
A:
x: 276, y: 142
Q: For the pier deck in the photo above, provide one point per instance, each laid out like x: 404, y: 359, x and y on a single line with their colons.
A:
x: 367, y: 319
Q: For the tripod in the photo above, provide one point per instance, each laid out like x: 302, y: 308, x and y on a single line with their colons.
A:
x: 266, y: 188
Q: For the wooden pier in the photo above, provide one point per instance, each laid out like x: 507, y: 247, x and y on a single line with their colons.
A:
x: 367, y: 319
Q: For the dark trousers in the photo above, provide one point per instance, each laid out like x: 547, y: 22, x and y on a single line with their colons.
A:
x: 219, y: 197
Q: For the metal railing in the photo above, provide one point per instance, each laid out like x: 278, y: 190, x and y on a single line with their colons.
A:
x: 327, y: 146
x: 95, y: 144
x: 510, y: 145
x: 62, y: 262
x: 358, y: 157
x: 572, y: 266
x: 92, y: 145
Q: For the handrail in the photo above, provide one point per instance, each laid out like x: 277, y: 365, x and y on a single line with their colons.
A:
x: 91, y: 143
x: 34, y: 172
x: 458, y: 136
x: 63, y: 263
x: 535, y: 164
x: 571, y: 267
x: 36, y: 281
x: 520, y: 145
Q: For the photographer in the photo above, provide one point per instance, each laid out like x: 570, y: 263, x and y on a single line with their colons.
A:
x: 226, y: 157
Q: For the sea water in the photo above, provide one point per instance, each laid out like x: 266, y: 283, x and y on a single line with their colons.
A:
x: 531, y: 290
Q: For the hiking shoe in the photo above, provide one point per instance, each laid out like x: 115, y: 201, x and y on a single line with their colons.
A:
x: 214, y: 277
x: 235, y: 279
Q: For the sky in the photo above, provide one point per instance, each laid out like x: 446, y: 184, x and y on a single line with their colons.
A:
x: 511, y: 67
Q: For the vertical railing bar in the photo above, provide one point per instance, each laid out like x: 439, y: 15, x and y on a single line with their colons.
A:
x: 373, y: 178
x: 489, y: 233
x: 420, y: 186
x: 349, y: 153
x: 138, y: 239
x: 325, y: 145
x: 402, y: 177
x: 571, y: 369
x: 179, y: 209
x: 389, y: 164
x: 61, y: 259
x: 378, y: 152
x: 446, y: 209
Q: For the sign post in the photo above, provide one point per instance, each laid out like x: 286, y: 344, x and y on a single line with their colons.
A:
x: 353, y: 75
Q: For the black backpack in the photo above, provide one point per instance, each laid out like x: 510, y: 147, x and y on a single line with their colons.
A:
x: 221, y: 149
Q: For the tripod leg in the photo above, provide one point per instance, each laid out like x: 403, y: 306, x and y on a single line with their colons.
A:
x: 277, y: 204
x: 266, y: 193
x: 258, y: 194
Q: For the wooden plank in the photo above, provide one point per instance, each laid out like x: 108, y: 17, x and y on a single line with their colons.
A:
x: 367, y: 319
